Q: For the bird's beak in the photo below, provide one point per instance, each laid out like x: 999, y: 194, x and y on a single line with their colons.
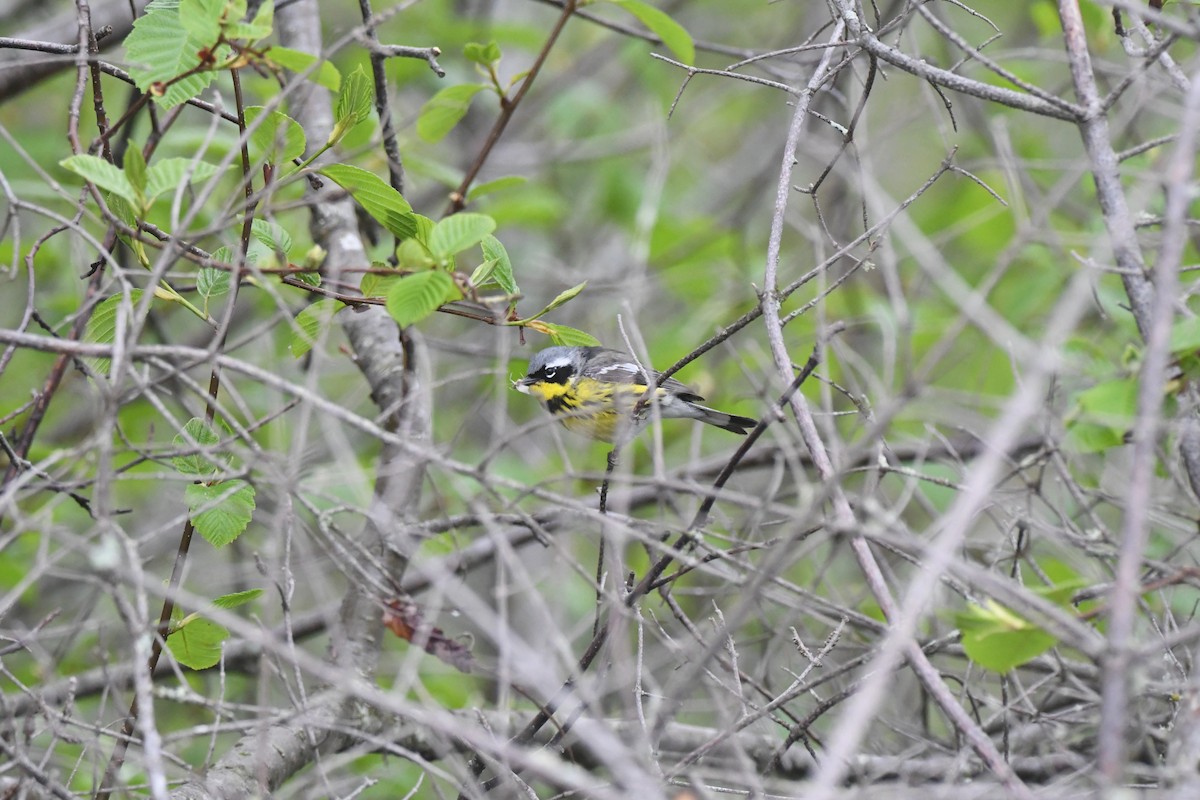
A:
x: 523, y: 385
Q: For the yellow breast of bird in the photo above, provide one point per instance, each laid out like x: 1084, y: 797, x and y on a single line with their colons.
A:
x: 589, y: 407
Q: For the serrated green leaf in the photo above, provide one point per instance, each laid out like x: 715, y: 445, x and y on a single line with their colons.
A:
x: 310, y: 322
x: 498, y: 185
x: 673, y: 35
x: 196, y: 433
x: 373, y: 285
x: 197, y: 643
x: 277, y: 140
x: 297, y: 61
x: 103, y: 174
x: 271, y: 236
x: 236, y: 599
x: 211, y: 282
x: 166, y: 175
x: 102, y: 326
x: 417, y: 296
x: 220, y: 512
x: 353, y: 104
x: 159, y: 49
x: 571, y: 337
x: 457, y: 233
x: 445, y: 109
x: 493, y: 250
x: 376, y: 197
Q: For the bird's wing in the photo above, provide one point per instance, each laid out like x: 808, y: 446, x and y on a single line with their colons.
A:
x: 618, y: 367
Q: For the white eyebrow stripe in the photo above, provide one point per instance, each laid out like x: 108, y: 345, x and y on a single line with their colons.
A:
x: 562, y: 362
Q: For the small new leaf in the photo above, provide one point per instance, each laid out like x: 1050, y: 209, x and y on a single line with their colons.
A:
x: 571, y: 337
x: 482, y: 54
x: 236, y: 599
x: 353, y: 104
x: 493, y: 250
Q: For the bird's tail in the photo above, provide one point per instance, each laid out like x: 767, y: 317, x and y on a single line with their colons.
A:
x: 719, y: 419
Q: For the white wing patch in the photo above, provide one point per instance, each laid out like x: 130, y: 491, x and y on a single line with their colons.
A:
x: 632, y: 369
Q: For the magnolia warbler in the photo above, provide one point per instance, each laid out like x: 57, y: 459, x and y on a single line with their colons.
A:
x: 594, y: 391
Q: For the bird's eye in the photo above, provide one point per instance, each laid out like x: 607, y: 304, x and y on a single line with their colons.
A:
x: 549, y: 372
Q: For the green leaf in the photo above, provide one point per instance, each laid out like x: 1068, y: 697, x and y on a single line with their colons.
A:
x: 671, y: 32
x: 211, y: 282
x: 102, y: 327
x: 998, y: 639
x: 135, y: 172
x: 222, y: 511
x: 196, y: 433
x: 1113, y: 403
x: 202, y: 19
x: 353, y: 104
x: 416, y: 297
x: 255, y: 29
x: 272, y: 236
x: 483, y: 274
x: 445, y: 109
x: 236, y: 599
x: 459, y: 232
x: 103, y: 174
x: 376, y: 197
x: 123, y: 210
x: 277, y: 140
x: 493, y: 250
x: 197, y: 643
x: 1088, y: 437
x: 373, y: 285
x: 482, y: 54
x: 310, y: 322
x: 571, y: 337
x: 557, y: 301
x: 160, y: 48
x: 1185, y: 336
x: 297, y: 61
x: 166, y: 174
x: 498, y: 185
